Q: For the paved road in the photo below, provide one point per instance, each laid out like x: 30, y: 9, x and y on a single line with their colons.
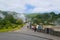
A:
x: 19, y: 36
x: 26, y: 34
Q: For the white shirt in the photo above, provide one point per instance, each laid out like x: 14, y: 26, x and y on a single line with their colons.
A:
x: 37, y: 26
x: 32, y: 26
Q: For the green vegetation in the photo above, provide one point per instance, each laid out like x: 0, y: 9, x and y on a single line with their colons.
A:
x: 44, y: 18
x: 8, y: 22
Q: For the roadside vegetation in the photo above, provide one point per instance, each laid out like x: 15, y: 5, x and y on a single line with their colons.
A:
x: 50, y: 19
x: 44, y: 18
x: 8, y: 22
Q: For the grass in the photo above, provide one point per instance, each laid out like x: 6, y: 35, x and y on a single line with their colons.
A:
x: 11, y: 29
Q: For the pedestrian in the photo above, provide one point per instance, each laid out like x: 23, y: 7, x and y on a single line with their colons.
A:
x: 27, y: 26
x: 40, y: 28
x: 32, y: 28
x: 47, y: 30
x: 35, y: 29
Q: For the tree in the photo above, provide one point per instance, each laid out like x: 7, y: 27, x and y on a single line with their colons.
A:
x: 10, y: 18
x: 19, y: 21
x: 53, y: 17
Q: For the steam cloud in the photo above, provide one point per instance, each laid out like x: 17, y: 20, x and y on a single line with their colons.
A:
x: 16, y: 15
x: 22, y: 16
x: 2, y: 16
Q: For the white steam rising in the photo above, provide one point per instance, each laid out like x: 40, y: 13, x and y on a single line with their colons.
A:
x: 20, y: 16
x: 2, y: 16
x: 57, y: 22
x: 16, y: 15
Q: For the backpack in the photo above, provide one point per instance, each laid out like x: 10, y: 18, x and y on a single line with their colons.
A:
x: 39, y: 27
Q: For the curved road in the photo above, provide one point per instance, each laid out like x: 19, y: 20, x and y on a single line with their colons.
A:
x: 19, y: 36
x: 26, y: 34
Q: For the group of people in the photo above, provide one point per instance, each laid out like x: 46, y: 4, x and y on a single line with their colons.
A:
x: 37, y: 28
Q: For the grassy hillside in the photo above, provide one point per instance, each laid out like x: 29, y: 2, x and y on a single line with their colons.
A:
x: 8, y: 21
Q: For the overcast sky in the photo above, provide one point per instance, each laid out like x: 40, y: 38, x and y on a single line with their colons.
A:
x: 30, y: 6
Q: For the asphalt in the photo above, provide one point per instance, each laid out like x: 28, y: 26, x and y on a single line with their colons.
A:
x: 26, y: 34
x: 19, y: 36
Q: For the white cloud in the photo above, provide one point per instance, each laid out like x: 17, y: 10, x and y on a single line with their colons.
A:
x: 40, y: 5
x: 11, y: 5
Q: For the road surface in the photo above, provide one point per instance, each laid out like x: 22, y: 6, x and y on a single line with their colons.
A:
x: 26, y: 34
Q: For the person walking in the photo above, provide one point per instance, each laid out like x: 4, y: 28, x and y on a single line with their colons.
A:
x: 32, y: 27
x: 40, y: 28
x: 35, y: 29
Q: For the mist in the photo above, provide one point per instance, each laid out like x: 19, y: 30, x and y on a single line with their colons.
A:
x: 16, y: 15
x: 57, y: 22
x: 2, y: 16
x: 20, y: 16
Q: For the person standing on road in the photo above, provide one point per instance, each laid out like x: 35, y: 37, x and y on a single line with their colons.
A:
x: 39, y: 27
x: 32, y: 27
x: 35, y: 29
x: 27, y: 25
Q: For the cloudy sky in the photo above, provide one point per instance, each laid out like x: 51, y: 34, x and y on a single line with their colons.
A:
x: 30, y: 6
